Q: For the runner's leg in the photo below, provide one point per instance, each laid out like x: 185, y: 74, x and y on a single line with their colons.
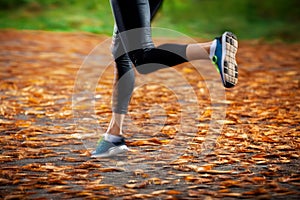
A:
x: 124, y: 78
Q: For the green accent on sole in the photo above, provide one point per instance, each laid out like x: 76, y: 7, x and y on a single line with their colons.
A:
x: 214, y: 61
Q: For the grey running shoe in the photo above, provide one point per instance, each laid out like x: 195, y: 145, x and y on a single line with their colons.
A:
x: 107, y: 149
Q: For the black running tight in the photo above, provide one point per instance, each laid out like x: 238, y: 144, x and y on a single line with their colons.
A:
x: 132, y: 43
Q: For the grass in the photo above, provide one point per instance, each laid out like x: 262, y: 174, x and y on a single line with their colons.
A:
x: 59, y: 18
x: 249, y: 19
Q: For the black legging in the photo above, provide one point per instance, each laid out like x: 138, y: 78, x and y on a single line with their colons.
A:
x: 132, y: 43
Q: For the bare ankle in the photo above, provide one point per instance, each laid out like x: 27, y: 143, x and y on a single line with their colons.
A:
x: 114, y: 131
x: 116, y: 124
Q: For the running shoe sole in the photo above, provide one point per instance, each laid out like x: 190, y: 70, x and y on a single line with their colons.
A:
x: 228, y: 63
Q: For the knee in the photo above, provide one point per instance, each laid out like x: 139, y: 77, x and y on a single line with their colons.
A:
x: 138, y: 58
x: 117, y: 50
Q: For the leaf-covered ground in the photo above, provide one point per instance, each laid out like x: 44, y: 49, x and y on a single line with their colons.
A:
x: 43, y: 156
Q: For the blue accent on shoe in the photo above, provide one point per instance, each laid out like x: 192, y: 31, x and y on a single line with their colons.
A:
x: 106, y: 149
x: 218, y: 56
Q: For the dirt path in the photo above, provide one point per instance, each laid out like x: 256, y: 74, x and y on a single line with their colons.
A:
x: 55, y: 102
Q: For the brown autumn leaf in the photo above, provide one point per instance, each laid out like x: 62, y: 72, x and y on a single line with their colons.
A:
x: 173, y: 192
x: 145, y: 142
x: 136, y: 185
x: 15, y: 196
x: 229, y: 194
x: 256, y: 191
x: 4, y: 181
x: 58, y: 188
x: 6, y: 122
x: 111, y: 169
x: 197, y: 180
x: 158, y: 192
x: 98, y: 186
x: 89, y: 165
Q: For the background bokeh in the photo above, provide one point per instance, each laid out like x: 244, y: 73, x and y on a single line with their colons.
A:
x: 249, y: 19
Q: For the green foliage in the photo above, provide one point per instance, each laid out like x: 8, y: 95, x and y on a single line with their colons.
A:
x: 268, y: 19
x: 56, y: 15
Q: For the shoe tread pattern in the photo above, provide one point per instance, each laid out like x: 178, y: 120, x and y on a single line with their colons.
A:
x: 230, y: 64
